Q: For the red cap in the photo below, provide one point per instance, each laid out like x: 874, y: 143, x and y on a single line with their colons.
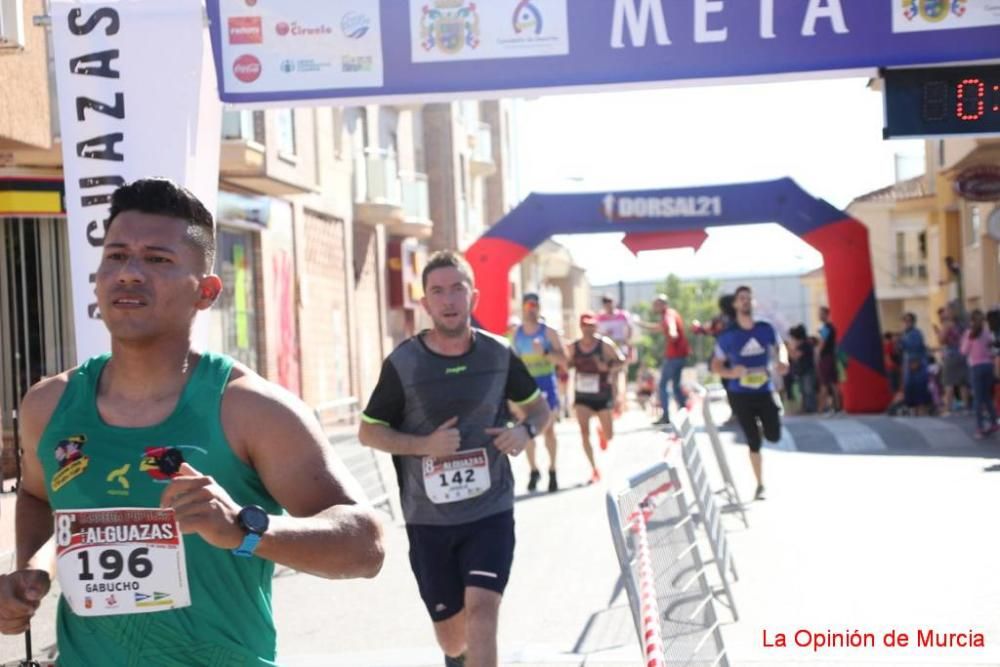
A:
x: 587, y: 318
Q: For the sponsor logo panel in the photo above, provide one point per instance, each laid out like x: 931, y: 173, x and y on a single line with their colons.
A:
x: 245, y: 30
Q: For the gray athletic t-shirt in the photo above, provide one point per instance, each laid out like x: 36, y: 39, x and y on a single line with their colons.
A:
x: 418, y: 390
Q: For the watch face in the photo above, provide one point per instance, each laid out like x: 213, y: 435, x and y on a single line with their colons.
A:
x: 254, y: 519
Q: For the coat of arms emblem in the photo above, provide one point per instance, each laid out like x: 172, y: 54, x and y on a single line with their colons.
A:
x: 933, y: 10
x: 449, y: 25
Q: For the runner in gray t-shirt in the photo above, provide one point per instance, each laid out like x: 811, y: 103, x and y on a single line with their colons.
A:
x: 440, y: 408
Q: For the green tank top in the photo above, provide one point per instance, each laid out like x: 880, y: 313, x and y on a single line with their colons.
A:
x: 90, y: 465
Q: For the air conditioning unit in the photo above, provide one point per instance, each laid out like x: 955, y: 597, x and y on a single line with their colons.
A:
x: 11, y: 24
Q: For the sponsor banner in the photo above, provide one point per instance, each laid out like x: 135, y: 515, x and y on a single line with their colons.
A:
x: 136, y: 99
x: 435, y: 49
x: 923, y: 15
x: 270, y: 48
x: 446, y: 30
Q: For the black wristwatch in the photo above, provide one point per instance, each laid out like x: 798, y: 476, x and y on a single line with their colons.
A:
x: 530, y: 428
x: 254, y: 521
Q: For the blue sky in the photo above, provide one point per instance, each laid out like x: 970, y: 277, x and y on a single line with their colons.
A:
x: 825, y: 133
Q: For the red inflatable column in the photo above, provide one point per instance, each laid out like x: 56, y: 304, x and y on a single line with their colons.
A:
x: 491, y: 260
x: 851, y: 292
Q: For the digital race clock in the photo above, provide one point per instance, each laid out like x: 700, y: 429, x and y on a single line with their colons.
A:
x: 932, y: 101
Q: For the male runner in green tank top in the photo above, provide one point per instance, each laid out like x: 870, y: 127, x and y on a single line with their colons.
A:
x: 156, y: 425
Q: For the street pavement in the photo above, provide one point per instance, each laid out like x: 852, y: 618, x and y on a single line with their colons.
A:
x: 872, y: 524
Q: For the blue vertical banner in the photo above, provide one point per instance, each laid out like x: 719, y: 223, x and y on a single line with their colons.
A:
x: 392, y: 50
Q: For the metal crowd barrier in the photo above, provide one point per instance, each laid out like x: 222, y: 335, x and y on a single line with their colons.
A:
x: 733, y: 500
x: 654, y: 537
x: 361, y: 461
x: 711, y: 516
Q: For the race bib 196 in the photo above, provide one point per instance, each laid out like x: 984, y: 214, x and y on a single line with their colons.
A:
x: 120, y: 561
x: 463, y: 475
x: 588, y: 383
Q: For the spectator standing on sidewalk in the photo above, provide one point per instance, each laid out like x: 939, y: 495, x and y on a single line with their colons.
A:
x: 440, y: 408
x: 954, y: 369
x: 675, y: 353
x: 916, y: 379
x: 977, y: 346
x: 803, y: 361
x: 891, y: 358
x: 829, y: 382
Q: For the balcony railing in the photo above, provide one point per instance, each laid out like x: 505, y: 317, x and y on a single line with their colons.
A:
x: 910, y: 271
x: 481, y: 143
x: 376, y: 178
x: 474, y: 220
x: 243, y: 125
x: 483, y: 150
x: 416, y: 196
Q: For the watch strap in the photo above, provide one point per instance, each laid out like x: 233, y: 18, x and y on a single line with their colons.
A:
x: 247, y: 546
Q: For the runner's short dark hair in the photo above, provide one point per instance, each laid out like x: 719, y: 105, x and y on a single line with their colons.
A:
x: 161, y: 196
x: 742, y: 288
x: 444, y: 259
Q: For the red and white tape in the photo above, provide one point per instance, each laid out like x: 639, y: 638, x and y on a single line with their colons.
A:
x: 652, y: 641
x: 649, y: 609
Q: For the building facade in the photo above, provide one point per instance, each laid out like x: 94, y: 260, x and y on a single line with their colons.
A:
x: 935, y: 239
x: 325, y: 219
x: 899, y: 219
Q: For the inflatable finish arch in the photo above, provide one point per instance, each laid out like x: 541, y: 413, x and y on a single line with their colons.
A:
x: 842, y: 240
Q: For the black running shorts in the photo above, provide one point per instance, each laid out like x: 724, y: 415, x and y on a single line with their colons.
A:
x: 595, y: 403
x: 447, y: 559
x: 756, y: 411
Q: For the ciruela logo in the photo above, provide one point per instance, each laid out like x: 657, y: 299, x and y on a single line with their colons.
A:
x: 449, y: 26
x: 72, y: 461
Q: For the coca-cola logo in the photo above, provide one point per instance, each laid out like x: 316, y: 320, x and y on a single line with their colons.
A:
x: 980, y: 183
x: 246, y: 68
x: 281, y: 28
